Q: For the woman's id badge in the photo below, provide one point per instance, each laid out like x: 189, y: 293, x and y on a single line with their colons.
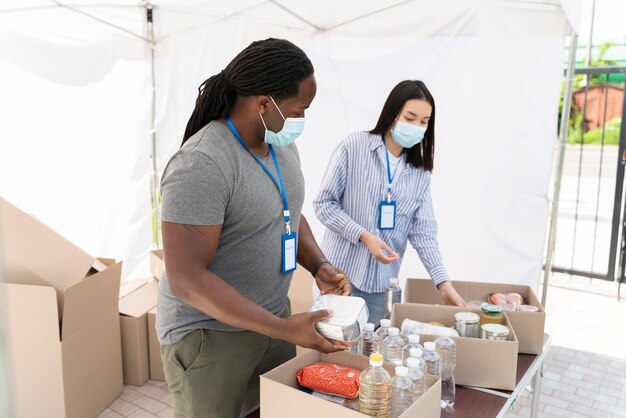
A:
x: 387, y: 214
x: 289, y: 251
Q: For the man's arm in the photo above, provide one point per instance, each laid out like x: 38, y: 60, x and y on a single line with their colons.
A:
x: 188, y: 253
x: 329, y: 279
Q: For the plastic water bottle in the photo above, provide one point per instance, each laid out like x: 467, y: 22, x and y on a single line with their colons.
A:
x: 375, y: 389
x: 401, y: 392
x: 406, y: 332
x: 416, y: 375
x: 414, y: 342
x: 417, y: 354
x: 369, y: 342
x: 393, y: 347
x: 446, y: 348
x: 432, y: 360
x: 383, y: 331
x: 393, y: 295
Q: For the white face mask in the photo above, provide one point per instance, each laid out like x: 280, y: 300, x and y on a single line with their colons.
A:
x: 292, y: 128
x: 407, y: 135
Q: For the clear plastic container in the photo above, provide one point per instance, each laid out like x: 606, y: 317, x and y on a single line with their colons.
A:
x: 418, y: 354
x: 369, y: 342
x: 393, y: 295
x: 375, y: 389
x: 432, y: 359
x: 401, y: 392
x: 414, y: 342
x: 393, y: 347
x: 383, y: 331
x: 417, y: 376
x: 349, y: 317
x: 446, y: 348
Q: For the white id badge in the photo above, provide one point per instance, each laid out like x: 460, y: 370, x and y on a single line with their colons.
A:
x: 289, y: 250
x: 387, y: 215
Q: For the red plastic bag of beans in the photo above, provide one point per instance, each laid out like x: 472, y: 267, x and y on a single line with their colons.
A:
x: 330, y: 378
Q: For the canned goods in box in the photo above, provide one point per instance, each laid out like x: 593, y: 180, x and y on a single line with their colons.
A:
x: 494, y: 332
x: 467, y: 324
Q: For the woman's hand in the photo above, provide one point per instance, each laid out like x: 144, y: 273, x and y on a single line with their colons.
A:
x: 379, y: 249
x: 450, y: 295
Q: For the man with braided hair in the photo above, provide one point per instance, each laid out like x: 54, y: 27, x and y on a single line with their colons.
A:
x: 232, y: 233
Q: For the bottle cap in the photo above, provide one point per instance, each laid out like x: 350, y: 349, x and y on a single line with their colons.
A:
x: 385, y: 323
x: 416, y: 352
x: 394, y: 332
x: 369, y: 327
x: 429, y: 346
x: 413, y: 363
x: 414, y: 339
x: 402, y: 371
x: 376, y: 359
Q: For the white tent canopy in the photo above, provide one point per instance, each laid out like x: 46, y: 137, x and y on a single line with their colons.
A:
x: 76, y: 139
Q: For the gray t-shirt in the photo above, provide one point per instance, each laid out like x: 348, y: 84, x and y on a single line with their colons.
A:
x: 213, y: 180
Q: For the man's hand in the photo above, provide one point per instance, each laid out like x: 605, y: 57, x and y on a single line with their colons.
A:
x: 300, y: 330
x: 450, y: 295
x: 379, y: 249
x: 332, y: 281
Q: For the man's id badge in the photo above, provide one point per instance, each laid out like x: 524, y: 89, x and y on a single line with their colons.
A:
x: 387, y: 215
x: 289, y: 251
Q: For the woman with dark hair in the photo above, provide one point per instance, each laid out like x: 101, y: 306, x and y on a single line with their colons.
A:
x: 375, y: 197
x: 233, y: 232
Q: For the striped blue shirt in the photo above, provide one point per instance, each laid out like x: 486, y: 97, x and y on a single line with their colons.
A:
x: 348, y: 204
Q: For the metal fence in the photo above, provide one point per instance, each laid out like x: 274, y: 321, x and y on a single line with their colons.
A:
x: 591, y: 226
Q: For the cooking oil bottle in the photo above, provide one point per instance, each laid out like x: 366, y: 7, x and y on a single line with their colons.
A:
x: 375, y: 389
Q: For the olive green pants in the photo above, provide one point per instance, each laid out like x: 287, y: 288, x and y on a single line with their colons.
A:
x: 215, y: 374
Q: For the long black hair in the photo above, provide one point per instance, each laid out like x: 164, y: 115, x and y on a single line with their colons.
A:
x: 272, y: 66
x: 422, y: 154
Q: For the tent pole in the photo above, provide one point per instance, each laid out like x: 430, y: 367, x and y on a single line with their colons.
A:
x: 565, y: 114
x: 154, y: 178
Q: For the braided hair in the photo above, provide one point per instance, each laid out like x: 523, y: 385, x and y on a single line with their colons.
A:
x: 422, y: 154
x: 273, y: 67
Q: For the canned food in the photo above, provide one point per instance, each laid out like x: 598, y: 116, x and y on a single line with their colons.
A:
x: 529, y: 308
x: 494, y: 332
x: 467, y: 324
x: 491, y: 314
x: 349, y: 317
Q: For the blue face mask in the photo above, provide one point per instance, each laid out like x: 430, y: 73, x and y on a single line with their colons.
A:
x: 292, y: 128
x: 407, y: 135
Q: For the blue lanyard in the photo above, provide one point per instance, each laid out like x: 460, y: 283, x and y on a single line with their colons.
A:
x: 389, y: 176
x: 280, y: 187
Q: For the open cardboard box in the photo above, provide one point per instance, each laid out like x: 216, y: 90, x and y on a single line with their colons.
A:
x: 281, y: 396
x: 479, y: 362
x: 62, y: 328
x: 157, y: 263
x: 133, y: 308
x: 156, y: 364
x: 529, y: 326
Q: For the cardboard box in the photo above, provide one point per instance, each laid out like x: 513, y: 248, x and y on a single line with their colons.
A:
x: 156, y: 364
x: 133, y: 308
x: 300, y: 290
x: 157, y: 263
x: 479, y: 362
x: 529, y: 326
x: 62, y: 328
x: 282, y: 398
